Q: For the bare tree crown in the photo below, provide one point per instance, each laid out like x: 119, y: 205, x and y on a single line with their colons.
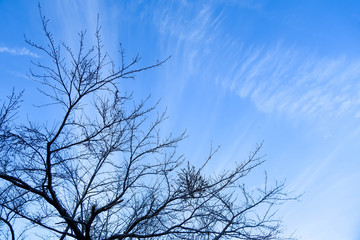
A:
x: 104, y: 170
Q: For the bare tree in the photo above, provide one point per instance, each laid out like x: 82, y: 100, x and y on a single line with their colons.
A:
x: 105, y: 171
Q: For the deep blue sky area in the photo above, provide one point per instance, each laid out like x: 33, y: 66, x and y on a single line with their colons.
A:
x: 283, y: 72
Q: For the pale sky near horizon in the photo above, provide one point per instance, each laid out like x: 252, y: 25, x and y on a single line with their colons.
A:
x: 241, y: 72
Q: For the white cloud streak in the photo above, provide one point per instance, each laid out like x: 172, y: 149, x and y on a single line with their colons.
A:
x: 278, y: 79
x: 295, y: 83
x: 18, y: 52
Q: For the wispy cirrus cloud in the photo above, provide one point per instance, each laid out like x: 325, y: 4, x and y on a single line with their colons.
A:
x: 277, y: 78
x: 18, y: 51
x: 292, y: 82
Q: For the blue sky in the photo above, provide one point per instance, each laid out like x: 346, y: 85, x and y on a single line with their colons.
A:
x: 283, y: 72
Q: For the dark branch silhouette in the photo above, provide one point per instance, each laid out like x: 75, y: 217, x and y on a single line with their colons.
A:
x: 105, y: 171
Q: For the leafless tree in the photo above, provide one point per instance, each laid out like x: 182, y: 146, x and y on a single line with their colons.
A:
x: 105, y: 171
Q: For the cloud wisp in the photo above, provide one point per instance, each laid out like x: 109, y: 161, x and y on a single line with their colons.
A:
x: 18, y: 52
x: 292, y: 82
x: 278, y: 79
